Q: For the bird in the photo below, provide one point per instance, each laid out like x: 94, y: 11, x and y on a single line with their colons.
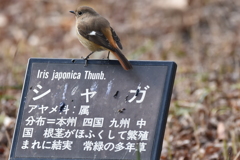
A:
x: 95, y: 33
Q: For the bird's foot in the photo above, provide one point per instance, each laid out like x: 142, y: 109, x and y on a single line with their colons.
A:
x: 86, y: 58
x: 108, y: 56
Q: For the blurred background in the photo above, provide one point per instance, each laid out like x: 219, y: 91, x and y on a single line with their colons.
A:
x: 201, y: 36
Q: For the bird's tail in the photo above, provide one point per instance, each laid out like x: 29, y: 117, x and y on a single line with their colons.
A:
x: 122, y: 59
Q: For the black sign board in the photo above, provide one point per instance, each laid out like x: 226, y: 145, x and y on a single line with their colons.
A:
x: 101, y: 111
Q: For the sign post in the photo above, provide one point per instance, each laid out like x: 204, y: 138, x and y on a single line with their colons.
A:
x: 100, y: 111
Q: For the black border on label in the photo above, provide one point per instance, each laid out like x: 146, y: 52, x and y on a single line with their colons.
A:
x: 162, y: 116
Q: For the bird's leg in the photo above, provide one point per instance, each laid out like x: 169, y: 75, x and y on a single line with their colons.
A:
x: 86, y: 58
x: 108, y: 55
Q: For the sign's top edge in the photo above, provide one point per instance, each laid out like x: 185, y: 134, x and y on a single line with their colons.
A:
x: 98, y: 61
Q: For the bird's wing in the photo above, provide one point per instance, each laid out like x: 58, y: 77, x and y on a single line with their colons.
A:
x: 116, y: 38
x: 97, y: 37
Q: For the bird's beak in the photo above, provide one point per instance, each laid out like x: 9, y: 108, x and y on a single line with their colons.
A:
x: 72, y: 12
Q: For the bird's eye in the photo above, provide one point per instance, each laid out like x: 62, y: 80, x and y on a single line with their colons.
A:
x: 80, y: 13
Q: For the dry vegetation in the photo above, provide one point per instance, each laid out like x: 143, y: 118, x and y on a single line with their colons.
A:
x: 203, y: 39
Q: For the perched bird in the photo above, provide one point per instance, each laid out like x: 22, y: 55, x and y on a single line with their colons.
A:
x: 96, y: 34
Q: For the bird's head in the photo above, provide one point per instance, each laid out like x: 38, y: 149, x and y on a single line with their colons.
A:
x: 84, y: 11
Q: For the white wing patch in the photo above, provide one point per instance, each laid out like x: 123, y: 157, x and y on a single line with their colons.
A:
x: 93, y: 33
